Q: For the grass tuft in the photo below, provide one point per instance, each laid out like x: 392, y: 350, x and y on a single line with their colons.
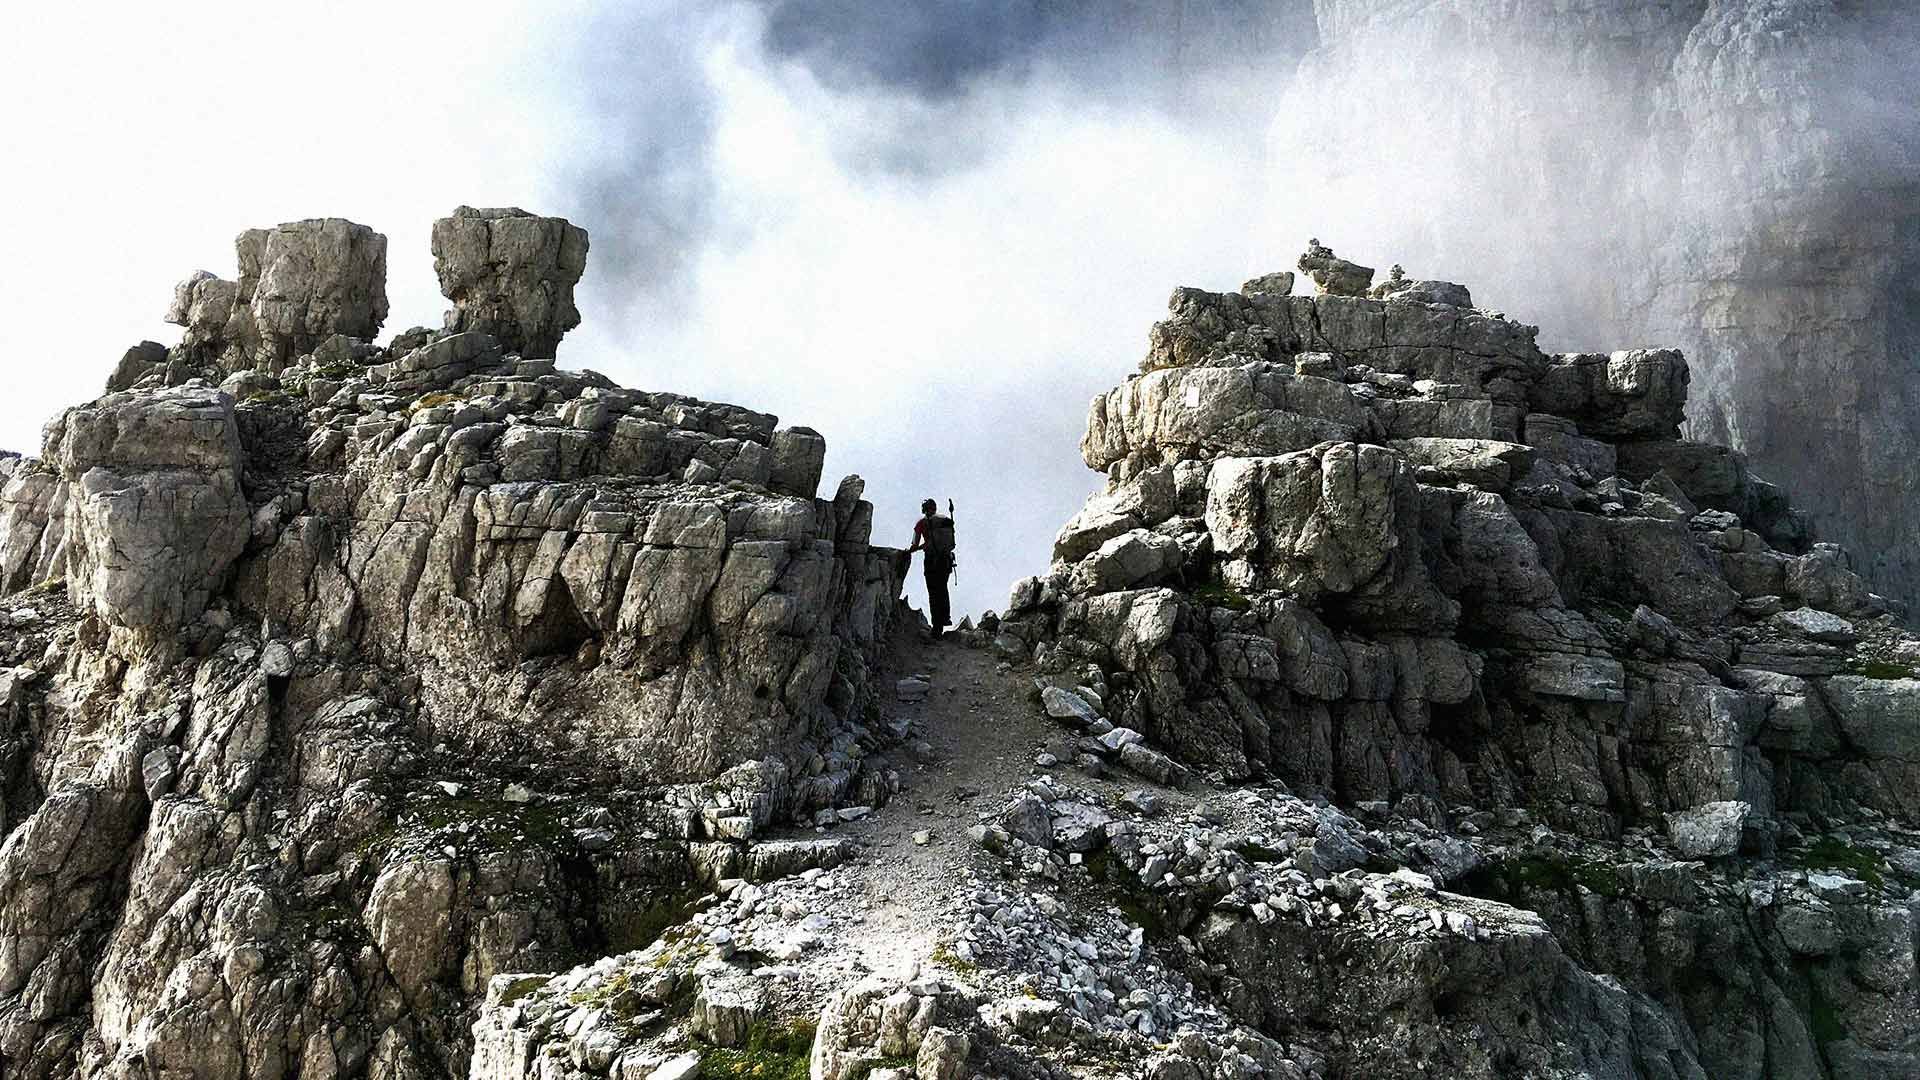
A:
x: 782, y: 1052
x: 1828, y: 853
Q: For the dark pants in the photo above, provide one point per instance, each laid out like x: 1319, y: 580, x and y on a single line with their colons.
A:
x: 938, y: 570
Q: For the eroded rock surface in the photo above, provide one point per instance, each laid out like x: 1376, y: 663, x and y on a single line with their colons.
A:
x: 338, y: 678
x: 1386, y: 550
x: 1397, y: 727
x: 1732, y: 178
x: 1410, y: 702
x: 510, y: 274
x: 300, y: 284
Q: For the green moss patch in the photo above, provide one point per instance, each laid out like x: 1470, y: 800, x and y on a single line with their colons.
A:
x: 492, y: 823
x: 773, y: 1052
x: 522, y: 987
x: 1885, y: 669
x: 438, y: 397
x: 1222, y: 596
x: 1510, y: 880
x: 1827, y: 853
x: 335, y: 370
x: 638, y: 927
x: 944, y: 956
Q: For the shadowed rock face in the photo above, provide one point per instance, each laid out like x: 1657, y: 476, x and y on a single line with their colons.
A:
x: 369, y: 672
x: 1759, y: 161
x: 1387, y: 550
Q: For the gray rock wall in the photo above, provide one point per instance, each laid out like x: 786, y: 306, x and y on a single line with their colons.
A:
x: 336, y: 690
x: 1388, y: 551
x: 1733, y: 178
x: 510, y: 274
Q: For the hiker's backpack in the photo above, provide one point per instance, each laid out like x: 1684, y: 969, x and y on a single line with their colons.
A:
x: 940, y: 535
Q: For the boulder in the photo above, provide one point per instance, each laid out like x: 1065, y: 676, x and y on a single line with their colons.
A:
x: 1635, y: 394
x: 1133, y: 558
x: 135, y: 364
x: 1709, y: 830
x: 1065, y: 705
x: 799, y: 455
x: 1338, y: 524
x: 1484, y: 463
x: 1196, y: 413
x: 156, y: 515
x: 511, y: 274
x: 1333, y: 275
x: 301, y: 283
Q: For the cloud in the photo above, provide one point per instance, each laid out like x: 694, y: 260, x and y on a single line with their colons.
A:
x: 931, y: 231
x: 1172, y: 57
x: 945, y: 331
x: 146, y: 137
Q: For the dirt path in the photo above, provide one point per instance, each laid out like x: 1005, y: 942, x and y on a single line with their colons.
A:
x: 984, y: 735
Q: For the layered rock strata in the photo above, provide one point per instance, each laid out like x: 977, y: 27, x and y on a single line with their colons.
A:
x: 1388, y: 551
x: 340, y: 677
x: 1732, y: 177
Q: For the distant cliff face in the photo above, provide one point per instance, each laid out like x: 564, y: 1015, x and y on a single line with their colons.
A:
x: 1734, y: 177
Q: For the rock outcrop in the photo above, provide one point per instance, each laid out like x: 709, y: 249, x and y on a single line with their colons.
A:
x: 1386, y: 550
x: 1403, y: 728
x: 300, y: 284
x: 1734, y: 178
x: 340, y: 677
x: 1413, y: 702
x: 510, y: 274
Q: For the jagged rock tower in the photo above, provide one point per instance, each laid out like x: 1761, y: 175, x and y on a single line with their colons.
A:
x: 338, y: 677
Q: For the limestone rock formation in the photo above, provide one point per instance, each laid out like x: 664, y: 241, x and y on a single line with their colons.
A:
x: 155, y: 514
x: 1334, y: 275
x: 1409, y: 702
x: 1731, y: 177
x: 338, y: 678
x: 300, y: 284
x: 510, y: 274
x: 1386, y: 550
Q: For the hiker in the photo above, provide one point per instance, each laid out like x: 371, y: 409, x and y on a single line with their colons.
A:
x: 934, y: 532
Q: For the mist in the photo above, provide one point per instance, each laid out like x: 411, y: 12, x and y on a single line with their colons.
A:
x: 931, y: 232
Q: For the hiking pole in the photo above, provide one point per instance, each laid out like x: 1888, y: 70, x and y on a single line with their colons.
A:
x: 955, y: 568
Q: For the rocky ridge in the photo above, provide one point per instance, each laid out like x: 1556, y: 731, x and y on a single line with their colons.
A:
x: 1734, y: 178
x: 1380, y: 722
x: 1410, y: 702
x: 1383, y: 549
x: 342, y: 676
